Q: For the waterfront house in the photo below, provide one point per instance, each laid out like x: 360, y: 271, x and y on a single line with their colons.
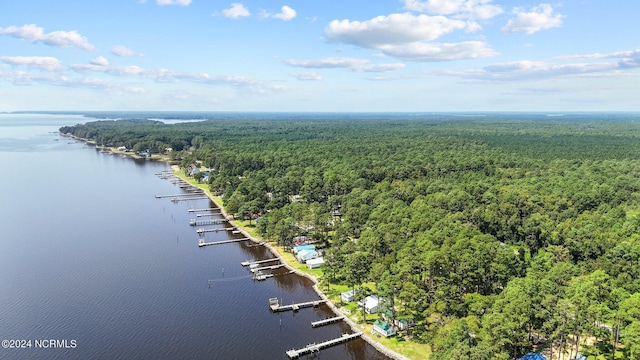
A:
x: 315, y: 263
x: 297, y: 249
x: 371, y: 304
x: 383, y: 328
x: 304, y: 255
x: 537, y: 356
x: 348, y: 296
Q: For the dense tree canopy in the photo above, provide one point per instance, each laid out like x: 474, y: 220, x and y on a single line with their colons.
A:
x: 493, y: 234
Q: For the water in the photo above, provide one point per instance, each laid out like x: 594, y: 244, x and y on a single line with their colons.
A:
x: 89, y: 256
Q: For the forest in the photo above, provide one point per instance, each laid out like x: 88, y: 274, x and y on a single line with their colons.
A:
x: 496, y: 235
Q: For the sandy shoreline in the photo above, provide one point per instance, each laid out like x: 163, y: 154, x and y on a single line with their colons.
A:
x: 354, y: 327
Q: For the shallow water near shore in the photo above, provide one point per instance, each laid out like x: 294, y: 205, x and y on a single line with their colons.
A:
x: 87, y: 253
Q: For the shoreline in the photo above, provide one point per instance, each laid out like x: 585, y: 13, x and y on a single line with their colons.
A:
x: 354, y: 327
x: 176, y: 172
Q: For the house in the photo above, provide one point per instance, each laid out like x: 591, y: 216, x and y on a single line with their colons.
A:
x: 315, y: 263
x: 304, y: 255
x: 297, y: 249
x: 403, y: 324
x: 122, y: 148
x: 348, y: 296
x: 383, y: 328
x: 535, y: 356
x: 301, y: 240
x: 371, y: 304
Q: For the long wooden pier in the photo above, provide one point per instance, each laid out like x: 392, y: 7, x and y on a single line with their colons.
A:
x: 312, y: 348
x: 276, y: 307
x: 207, y: 215
x: 201, y: 210
x: 194, y: 222
x: 273, y: 267
x: 327, y: 321
x: 248, y: 263
x: 176, y: 199
x: 202, y: 243
x: 177, y: 195
x: 202, y: 231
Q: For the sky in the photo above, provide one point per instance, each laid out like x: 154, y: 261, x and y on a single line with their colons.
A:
x: 302, y: 55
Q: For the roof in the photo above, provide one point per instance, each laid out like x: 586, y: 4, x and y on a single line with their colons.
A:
x: 315, y: 261
x: 533, y: 356
x: 303, y: 253
x: 382, y: 324
x: 304, y: 247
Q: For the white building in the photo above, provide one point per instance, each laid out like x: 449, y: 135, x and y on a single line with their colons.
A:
x: 371, y: 304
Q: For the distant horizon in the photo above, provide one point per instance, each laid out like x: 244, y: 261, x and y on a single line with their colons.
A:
x: 460, y: 112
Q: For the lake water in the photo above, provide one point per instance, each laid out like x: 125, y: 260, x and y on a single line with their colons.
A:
x: 91, y: 259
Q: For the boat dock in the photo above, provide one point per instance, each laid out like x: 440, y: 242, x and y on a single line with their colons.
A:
x: 201, y: 210
x: 202, y: 243
x: 312, y: 348
x: 258, y: 269
x: 202, y: 231
x: 327, y: 321
x: 276, y: 307
x: 260, y: 276
x: 175, y: 195
x: 176, y: 199
x: 194, y: 222
x: 247, y: 263
x: 207, y: 215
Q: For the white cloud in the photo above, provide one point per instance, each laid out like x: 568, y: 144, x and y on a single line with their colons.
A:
x: 236, y: 10
x: 100, y: 61
x: 539, y: 18
x: 22, y: 78
x: 392, y: 29
x: 46, y: 63
x: 536, y: 70
x: 475, y: 9
x: 123, y: 51
x: 440, y: 52
x: 285, y: 14
x: 327, y: 63
x: 307, y: 76
x: 162, y: 75
x: 354, y: 64
x: 379, y: 67
x: 63, y: 39
x: 173, y: 2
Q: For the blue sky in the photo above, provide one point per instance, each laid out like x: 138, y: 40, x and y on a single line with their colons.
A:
x: 375, y: 55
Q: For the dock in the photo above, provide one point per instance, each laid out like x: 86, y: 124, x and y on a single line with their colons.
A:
x: 273, y: 267
x: 327, y: 321
x: 194, y: 222
x: 260, y: 276
x: 201, y: 210
x: 312, y: 348
x: 176, y: 199
x: 202, y: 243
x: 276, y: 307
x: 247, y: 263
x: 202, y: 231
x: 207, y: 215
x: 176, y: 195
